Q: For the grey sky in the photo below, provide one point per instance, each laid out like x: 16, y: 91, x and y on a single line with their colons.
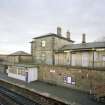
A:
x: 21, y: 20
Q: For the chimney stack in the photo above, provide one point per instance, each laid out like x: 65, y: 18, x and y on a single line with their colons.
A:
x: 68, y: 35
x: 59, y: 31
x: 83, y: 38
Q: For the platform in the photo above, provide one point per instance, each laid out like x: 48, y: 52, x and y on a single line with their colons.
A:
x: 63, y: 94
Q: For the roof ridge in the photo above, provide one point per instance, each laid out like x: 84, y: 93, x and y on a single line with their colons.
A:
x: 53, y: 34
x: 20, y: 53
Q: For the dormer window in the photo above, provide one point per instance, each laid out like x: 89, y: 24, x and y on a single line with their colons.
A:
x: 43, y: 43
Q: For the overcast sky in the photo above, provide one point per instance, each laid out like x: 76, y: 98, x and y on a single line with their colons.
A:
x: 21, y: 20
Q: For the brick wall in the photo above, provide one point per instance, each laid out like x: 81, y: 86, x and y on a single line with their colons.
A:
x: 82, y: 79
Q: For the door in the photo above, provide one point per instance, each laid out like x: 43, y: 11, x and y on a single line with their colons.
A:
x: 85, y: 59
x: 73, y: 60
x: 26, y: 76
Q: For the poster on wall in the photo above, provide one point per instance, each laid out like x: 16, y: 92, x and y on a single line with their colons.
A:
x: 52, y: 71
x: 65, y: 79
x: 69, y: 80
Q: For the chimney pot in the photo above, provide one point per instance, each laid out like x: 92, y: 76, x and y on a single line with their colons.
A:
x: 68, y: 35
x: 83, y: 38
x: 59, y: 31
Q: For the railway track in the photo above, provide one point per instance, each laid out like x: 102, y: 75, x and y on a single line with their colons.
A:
x: 5, y: 100
x: 14, y: 98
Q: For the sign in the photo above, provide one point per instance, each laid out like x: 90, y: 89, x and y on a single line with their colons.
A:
x: 69, y: 80
x: 52, y: 71
x: 73, y: 83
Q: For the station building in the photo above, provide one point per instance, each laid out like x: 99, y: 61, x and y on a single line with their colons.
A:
x: 43, y: 47
x: 55, y: 49
x: 58, y: 60
x: 19, y: 57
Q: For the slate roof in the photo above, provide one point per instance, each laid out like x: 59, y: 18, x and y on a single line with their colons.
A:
x: 83, y: 46
x: 55, y: 35
x: 19, y: 53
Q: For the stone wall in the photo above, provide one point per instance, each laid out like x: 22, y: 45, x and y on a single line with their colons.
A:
x: 37, y: 50
x: 81, y: 58
x: 52, y: 43
x: 62, y: 58
x: 82, y: 79
x: 3, y: 68
x: 3, y: 58
x: 13, y: 59
x: 20, y: 59
x: 26, y: 59
x: 58, y: 43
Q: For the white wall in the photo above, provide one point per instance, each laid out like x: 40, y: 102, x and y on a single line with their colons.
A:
x: 32, y: 74
x: 16, y: 76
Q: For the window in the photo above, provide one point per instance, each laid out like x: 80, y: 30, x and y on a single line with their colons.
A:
x: 43, y: 43
x: 43, y: 56
x: 12, y: 70
x: 96, y: 58
x: 21, y: 71
x: 104, y: 58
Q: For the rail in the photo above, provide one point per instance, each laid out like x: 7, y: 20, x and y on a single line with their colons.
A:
x: 19, y: 99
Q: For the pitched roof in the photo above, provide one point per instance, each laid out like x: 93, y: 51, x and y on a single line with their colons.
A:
x: 19, y: 53
x: 55, y: 35
x: 83, y: 46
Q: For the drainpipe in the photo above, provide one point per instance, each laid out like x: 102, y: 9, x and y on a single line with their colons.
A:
x: 70, y: 57
x: 93, y: 59
x: 91, y: 79
x: 53, y: 57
